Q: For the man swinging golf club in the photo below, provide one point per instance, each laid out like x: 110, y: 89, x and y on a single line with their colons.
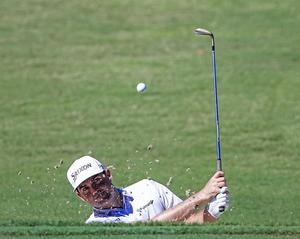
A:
x: 148, y: 200
x: 145, y: 200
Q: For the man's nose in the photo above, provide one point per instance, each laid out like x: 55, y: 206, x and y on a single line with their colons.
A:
x: 94, y: 192
x: 95, y: 185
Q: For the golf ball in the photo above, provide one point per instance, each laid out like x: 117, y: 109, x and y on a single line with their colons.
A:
x: 141, y: 87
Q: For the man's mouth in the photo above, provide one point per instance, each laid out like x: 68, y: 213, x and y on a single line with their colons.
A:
x: 101, y: 195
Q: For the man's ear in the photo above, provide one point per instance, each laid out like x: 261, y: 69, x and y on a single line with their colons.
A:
x: 108, y: 174
x: 79, y: 195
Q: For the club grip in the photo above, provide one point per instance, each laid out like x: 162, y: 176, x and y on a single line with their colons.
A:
x: 219, y: 164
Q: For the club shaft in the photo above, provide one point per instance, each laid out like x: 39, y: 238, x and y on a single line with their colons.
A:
x: 218, y: 141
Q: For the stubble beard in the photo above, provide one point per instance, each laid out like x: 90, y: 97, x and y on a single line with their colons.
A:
x: 107, y: 199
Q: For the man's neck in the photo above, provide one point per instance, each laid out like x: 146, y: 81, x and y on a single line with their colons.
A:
x: 117, y: 199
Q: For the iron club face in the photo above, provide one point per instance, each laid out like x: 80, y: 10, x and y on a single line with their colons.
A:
x: 201, y: 31
x: 204, y: 32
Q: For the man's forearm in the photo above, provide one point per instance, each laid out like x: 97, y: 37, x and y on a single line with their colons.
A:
x: 185, y: 210
x: 201, y: 217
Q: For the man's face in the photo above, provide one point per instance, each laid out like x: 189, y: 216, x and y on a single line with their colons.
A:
x: 98, y: 191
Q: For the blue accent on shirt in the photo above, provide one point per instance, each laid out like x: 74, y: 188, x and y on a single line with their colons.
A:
x: 116, y: 212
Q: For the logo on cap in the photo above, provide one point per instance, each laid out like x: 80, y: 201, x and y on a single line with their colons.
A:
x: 81, y: 169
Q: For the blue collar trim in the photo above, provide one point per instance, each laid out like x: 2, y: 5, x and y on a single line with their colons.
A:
x: 116, y: 212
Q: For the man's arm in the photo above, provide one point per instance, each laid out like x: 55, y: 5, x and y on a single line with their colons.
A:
x: 192, y: 209
x: 201, y: 217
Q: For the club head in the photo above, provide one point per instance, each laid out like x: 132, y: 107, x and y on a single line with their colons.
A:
x: 202, y: 32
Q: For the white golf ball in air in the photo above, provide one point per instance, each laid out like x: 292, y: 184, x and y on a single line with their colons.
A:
x: 141, y: 87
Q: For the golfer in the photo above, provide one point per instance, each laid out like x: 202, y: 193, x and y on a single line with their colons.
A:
x: 145, y: 200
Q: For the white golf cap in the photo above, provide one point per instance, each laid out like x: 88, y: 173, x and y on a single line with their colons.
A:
x: 82, y: 169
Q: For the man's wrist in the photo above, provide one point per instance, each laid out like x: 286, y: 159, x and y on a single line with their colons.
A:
x: 208, y: 217
x: 201, y: 197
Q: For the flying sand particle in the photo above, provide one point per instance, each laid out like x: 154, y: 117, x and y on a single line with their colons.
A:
x: 111, y: 167
x: 188, y: 192
x: 170, y: 181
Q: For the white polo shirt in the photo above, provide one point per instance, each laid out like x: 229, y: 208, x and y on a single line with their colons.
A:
x: 142, y: 201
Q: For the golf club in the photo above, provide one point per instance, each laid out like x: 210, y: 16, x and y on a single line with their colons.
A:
x: 204, y: 32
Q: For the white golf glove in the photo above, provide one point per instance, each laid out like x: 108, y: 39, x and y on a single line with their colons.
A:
x: 221, y: 200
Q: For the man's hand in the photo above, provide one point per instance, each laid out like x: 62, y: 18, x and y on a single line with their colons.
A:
x: 213, y: 186
x: 221, y: 200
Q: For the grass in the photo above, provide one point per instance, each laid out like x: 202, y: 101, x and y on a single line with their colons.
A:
x: 68, y: 76
x: 152, y: 231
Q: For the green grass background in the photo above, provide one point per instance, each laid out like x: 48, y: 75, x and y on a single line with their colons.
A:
x: 67, y: 89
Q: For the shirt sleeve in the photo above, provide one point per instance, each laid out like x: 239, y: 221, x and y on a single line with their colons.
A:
x: 167, y: 197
